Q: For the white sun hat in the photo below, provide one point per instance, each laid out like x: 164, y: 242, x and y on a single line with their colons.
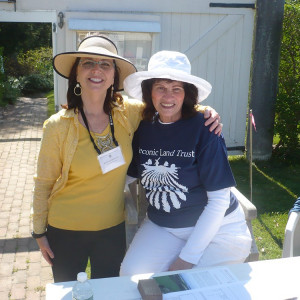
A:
x: 166, y: 65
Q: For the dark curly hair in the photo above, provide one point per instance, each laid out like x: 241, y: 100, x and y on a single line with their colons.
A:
x: 189, y: 102
x: 75, y: 102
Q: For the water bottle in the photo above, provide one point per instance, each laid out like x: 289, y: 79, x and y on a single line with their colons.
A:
x: 82, y: 289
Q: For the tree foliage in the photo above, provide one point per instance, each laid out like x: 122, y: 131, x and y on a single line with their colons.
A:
x: 27, y: 57
x: 38, y: 61
x: 21, y: 37
x: 287, y: 120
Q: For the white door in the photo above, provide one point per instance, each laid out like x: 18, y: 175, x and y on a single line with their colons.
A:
x: 219, y: 46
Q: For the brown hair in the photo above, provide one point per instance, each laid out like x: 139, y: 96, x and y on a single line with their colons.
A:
x: 189, y: 102
x: 75, y: 102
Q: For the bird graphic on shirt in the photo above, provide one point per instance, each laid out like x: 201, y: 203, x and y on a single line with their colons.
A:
x: 161, y: 184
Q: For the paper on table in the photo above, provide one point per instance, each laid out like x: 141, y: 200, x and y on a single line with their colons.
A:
x: 219, y: 283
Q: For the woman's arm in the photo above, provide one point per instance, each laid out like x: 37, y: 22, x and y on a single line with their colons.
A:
x: 205, y: 229
x: 49, y: 168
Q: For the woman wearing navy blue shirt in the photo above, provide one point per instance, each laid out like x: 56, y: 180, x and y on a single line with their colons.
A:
x: 192, y: 220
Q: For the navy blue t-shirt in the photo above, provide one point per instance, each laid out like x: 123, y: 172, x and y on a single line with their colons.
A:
x: 177, y: 164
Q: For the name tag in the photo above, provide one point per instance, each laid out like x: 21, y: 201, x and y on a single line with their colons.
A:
x: 111, y: 159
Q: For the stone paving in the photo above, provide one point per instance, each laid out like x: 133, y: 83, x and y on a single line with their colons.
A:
x: 23, y: 272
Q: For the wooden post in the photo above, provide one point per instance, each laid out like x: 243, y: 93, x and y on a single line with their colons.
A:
x: 250, y: 154
x: 264, y: 75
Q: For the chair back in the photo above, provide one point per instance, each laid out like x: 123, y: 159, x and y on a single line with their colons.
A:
x: 291, y: 245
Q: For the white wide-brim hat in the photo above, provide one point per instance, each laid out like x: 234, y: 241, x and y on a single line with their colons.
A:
x: 166, y: 65
x: 94, y: 47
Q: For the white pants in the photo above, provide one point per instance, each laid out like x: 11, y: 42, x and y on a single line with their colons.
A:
x: 154, y: 248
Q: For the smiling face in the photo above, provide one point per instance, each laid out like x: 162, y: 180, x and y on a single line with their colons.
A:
x: 167, y: 97
x: 95, y: 75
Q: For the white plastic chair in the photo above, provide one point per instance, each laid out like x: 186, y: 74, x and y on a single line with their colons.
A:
x: 291, y: 245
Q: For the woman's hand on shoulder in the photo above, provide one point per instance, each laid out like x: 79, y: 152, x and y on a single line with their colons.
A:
x: 180, y: 264
x: 45, y: 249
x: 214, y: 120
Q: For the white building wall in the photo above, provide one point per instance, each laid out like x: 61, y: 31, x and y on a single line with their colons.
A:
x: 217, y: 40
x: 117, y: 5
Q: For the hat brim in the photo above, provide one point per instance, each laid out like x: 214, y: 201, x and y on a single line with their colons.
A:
x: 63, y: 63
x: 132, y: 84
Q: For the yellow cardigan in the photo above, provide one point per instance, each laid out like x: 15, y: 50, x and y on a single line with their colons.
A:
x: 58, y: 145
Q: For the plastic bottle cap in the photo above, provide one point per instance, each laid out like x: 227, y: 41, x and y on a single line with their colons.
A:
x: 82, y: 276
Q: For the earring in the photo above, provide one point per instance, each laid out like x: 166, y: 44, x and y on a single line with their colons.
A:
x: 77, y: 89
x: 112, y: 92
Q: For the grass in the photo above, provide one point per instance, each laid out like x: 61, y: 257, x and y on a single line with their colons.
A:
x: 275, y: 189
x: 51, y: 103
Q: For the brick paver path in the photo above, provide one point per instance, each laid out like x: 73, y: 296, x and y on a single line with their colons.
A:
x: 23, y: 272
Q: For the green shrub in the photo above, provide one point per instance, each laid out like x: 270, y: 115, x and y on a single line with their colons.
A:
x: 11, y: 90
x: 39, y: 71
x: 1, y: 77
x: 35, y: 83
x: 37, y: 61
x: 2, y: 102
x: 287, y: 114
x: 13, y: 68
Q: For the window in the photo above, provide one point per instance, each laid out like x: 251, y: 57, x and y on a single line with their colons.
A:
x: 134, y: 46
